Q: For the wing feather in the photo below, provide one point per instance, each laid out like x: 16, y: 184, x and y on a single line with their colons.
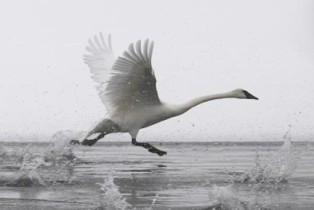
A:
x: 126, y: 82
x: 146, y: 50
x: 100, y: 62
x: 150, y: 52
x: 133, y: 83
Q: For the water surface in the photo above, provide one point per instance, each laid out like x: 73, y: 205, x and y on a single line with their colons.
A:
x: 109, y: 175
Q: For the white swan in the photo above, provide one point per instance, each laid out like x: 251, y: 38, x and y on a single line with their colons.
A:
x: 127, y: 87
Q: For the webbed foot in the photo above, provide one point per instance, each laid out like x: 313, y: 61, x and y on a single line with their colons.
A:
x: 149, y: 147
x: 75, y: 142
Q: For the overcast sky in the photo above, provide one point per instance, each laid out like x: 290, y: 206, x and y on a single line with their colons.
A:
x: 201, y: 47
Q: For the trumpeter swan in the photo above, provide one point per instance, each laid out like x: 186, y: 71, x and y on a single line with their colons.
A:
x: 127, y: 87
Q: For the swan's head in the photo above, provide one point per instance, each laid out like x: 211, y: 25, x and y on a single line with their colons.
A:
x: 243, y: 94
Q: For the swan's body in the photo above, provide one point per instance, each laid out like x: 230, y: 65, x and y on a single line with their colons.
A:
x: 145, y: 116
x: 127, y: 87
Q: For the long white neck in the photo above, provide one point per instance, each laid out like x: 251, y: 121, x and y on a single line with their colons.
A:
x: 194, y: 102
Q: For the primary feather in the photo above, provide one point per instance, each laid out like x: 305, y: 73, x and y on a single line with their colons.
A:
x: 125, y: 83
x: 100, y: 62
x: 127, y: 86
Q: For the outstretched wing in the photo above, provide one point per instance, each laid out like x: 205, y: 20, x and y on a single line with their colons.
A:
x: 132, y: 83
x: 100, y: 62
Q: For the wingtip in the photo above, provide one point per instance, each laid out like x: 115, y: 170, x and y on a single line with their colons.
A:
x: 109, y: 42
x: 139, y: 47
x: 131, y: 47
x: 90, y: 42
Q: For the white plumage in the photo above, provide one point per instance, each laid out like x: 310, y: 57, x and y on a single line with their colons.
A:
x: 127, y: 87
x: 125, y: 82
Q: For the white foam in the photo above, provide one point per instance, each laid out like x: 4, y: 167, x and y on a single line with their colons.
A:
x: 274, y: 167
x: 111, y: 198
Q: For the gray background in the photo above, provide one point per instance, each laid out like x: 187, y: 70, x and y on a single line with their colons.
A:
x: 201, y: 47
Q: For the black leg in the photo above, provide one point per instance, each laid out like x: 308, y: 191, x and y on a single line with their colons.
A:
x: 105, y: 127
x: 149, y: 147
x: 91, y: 142
x: 75, y: 142
x: 86, y: 141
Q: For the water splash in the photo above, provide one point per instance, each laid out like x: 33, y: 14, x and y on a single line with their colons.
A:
x: 42, y: 165
x: 269, y: 175
x: 276, y: 167
x: 111, y: 198
x: 27, y: 178
x: 59, y: 146
x: 229, y: 198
